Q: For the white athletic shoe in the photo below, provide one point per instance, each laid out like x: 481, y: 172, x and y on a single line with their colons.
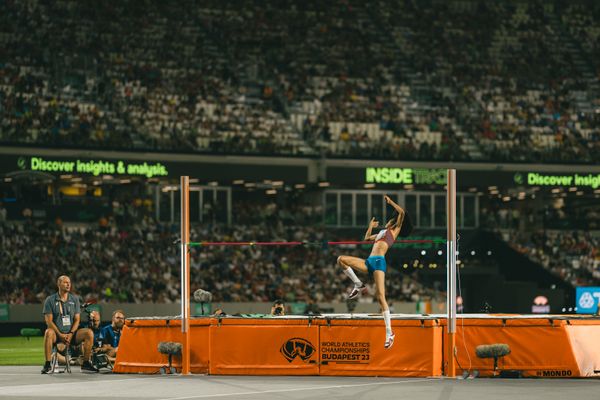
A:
x: 356, y: 291
x: 389, y: 341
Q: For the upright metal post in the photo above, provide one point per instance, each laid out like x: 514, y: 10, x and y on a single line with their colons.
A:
x: 451, y: 272
x: 185, y: 274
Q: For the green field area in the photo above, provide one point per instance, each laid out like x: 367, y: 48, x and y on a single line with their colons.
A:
x: 20, y: 351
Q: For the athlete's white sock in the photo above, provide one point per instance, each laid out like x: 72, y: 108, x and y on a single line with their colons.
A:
x: 350, y: 273
x: 388, y: 323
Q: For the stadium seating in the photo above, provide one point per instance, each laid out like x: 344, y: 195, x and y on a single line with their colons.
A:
x: 519, y: 83
x: 140, y: 264
x: 573, y: 256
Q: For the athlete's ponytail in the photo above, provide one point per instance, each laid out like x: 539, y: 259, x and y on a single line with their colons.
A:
x: 407, y: 226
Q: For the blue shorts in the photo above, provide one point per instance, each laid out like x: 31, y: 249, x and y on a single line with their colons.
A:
x: 375, y: 263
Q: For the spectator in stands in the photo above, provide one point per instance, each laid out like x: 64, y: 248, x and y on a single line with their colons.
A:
x: 111, y: 334
x: 2, y: 213
x: 62, y: 315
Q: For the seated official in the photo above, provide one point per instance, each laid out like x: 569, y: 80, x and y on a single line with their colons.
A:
x: 62, y: 315
x: 111, y: 335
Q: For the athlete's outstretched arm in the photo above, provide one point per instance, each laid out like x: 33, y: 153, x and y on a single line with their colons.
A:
x: 372, y: 224
x: 399, y: 209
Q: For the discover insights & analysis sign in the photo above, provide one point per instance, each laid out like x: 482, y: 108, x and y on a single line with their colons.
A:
x: 93, y: 167
x: 542, y: 179
x: 151, y: 166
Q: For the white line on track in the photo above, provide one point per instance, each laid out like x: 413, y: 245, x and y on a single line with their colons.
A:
x: 39, y: 385
x: 19, y: 375
x: 204, y: 396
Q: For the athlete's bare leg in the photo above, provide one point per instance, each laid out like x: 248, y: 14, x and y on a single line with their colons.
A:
x: 357, y: 264
x: 349, y: 265
x: 379, y: 278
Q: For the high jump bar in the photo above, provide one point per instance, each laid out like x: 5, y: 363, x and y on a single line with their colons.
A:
x: 307, y: 243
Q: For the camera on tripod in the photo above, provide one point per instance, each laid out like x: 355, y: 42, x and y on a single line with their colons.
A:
x: 86, y: 308
x: 99, y: 359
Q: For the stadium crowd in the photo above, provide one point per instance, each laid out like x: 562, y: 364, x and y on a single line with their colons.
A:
x: 513, y: 81
x: 310, y: 78
x: 140, y: 263
x: 574, y: 256
x: 531, y: 218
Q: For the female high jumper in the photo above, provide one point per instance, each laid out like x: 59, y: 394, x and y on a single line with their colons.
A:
x: 375, y: 265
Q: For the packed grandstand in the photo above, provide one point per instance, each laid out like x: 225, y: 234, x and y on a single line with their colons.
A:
x: 384, y: 81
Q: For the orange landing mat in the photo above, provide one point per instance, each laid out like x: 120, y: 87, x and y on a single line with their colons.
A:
x: 545, y: 346
x: 542, y: 346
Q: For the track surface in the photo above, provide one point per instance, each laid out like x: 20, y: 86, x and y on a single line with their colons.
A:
x: 28, y: 383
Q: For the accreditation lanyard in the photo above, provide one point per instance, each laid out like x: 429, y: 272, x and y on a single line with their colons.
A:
x: 66, y: 320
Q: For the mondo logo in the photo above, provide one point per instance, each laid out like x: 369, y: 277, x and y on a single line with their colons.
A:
x: 297, y: 347
x: 554, y: 374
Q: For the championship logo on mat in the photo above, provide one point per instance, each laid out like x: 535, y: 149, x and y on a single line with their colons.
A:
x: 345, y: 352
x: 297, y: 347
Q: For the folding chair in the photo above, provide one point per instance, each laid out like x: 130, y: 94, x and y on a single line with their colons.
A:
x: 54, y: 360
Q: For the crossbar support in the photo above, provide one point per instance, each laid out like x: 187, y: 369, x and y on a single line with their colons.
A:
x: 451, y: 266
x: 185, y: 274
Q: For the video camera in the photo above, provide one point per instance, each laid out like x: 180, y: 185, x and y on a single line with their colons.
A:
x: 86, y: 308
x: 278, y: 308
x: 100, y: 360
